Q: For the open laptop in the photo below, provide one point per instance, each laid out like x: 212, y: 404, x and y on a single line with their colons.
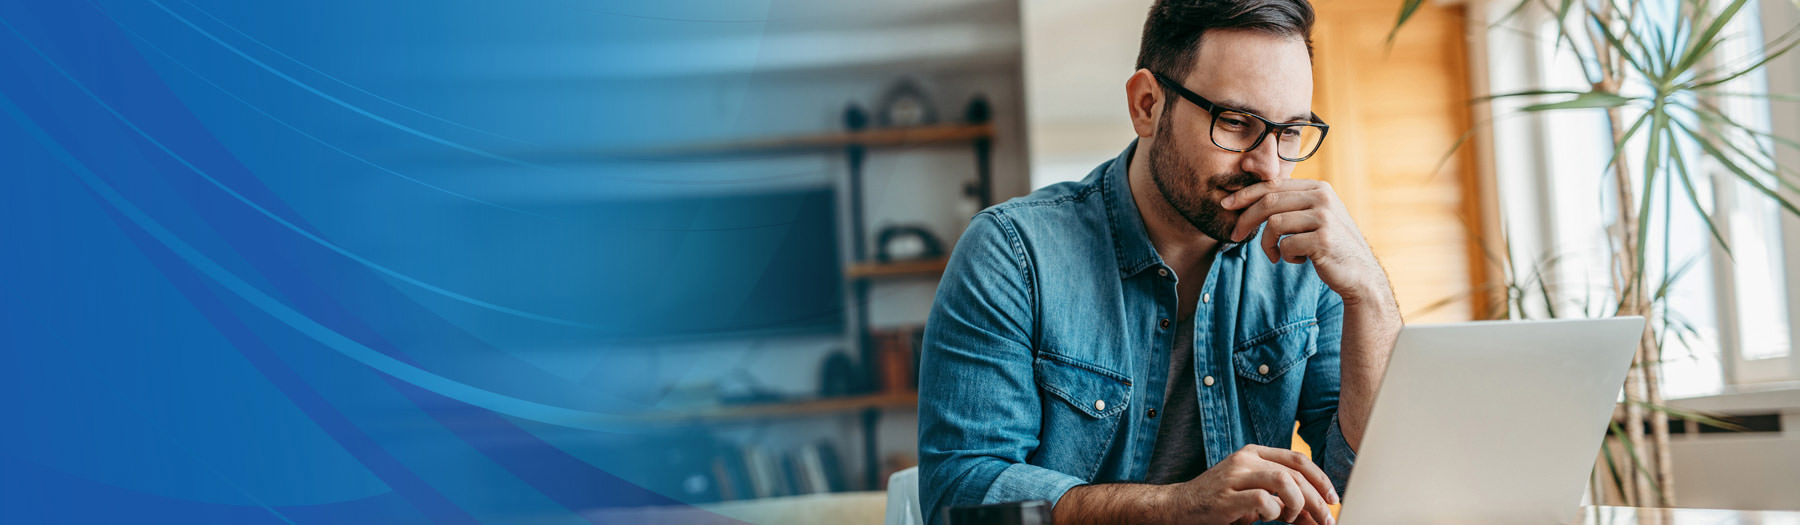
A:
x: 1489, y: 422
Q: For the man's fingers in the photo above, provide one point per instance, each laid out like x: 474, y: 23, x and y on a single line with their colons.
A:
x: 1270, y: 204
x: 1275, y: 478
x: 1299, y: 463
x: 1299, y: 247
x: 1268, y: 506
x: 1254, y: 505
x: 1316, y: 511
x: 1247, y: 195
x: 1288, y: 223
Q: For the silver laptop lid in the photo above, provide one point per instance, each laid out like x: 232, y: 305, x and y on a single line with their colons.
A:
x: 1489, y: 422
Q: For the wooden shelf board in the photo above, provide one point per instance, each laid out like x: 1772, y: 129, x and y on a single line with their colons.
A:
x: 877, y: 270
x: 877, y: 137
x: 787, y: 409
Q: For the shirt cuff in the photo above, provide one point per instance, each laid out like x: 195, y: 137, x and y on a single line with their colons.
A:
x: 1338, y: 457
x: 1025, y: 482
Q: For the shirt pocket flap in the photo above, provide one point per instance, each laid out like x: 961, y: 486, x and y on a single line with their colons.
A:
x: 1091, y: 390
x: 1265, y: 357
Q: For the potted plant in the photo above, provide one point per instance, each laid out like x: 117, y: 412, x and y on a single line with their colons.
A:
x: 1658, y: 78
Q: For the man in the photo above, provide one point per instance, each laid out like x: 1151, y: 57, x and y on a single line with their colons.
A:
x: 1137, y: 346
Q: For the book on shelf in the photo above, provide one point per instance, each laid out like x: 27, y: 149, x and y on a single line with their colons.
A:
x: 897, y: 357
x: 767, y: 478
x: 753, y: 472
x: 816, y: 469
x: 732, y: 474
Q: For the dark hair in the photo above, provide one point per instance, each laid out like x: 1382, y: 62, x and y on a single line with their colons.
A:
x: 1172, y: 32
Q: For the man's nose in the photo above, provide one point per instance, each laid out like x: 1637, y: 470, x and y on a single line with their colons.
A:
x: 1263, y: 160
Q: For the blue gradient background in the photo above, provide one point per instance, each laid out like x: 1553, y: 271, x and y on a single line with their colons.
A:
x: 274, y: 261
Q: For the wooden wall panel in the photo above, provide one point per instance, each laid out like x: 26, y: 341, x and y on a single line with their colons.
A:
x: 1394, y: 112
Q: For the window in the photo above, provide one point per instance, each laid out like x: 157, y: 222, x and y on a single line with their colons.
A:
x: 1729, y: 320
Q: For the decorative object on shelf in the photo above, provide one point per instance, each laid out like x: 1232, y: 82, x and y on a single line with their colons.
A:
x: 750, y: 390
x: 897, y: 357
x: 905, y: 104
x: 855, y: 118
x: 839, y: 376
x: 978, y: 111
x: 906, y: 242
x: 981, y: 189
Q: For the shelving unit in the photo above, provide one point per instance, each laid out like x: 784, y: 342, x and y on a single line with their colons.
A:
x: 979, y: 133
x: 856, y: 143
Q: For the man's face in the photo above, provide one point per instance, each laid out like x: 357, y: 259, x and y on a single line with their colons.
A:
x: 1264, y: 74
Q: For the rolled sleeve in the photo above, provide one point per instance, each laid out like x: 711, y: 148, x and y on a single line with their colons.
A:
x: 1319, y: 396
x: 1024, y: 482
x: 1336, y: 458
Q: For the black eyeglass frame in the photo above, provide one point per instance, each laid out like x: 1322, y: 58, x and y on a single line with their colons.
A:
x: 1269, y: 126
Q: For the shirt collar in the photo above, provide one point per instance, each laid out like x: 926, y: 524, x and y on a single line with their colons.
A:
x: 1131, y: 241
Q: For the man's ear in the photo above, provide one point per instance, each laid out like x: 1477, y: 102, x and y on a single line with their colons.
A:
x: 1144, y: 99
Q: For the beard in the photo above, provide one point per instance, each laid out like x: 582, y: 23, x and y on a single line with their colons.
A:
x: 1195, y: 197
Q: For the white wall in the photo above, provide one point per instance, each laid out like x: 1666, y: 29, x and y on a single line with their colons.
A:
x: 1078, y: 54
x: 1784, y: 120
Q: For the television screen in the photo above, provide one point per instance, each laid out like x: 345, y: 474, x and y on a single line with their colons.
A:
x: 720, y: 265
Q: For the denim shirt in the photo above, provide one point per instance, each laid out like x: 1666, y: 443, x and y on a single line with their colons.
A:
x: 1049, y: 341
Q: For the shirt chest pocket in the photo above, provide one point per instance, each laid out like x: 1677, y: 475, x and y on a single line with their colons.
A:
x: 1271, y: 368
x: 1082, y: 406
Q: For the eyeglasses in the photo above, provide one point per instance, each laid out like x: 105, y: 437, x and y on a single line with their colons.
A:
x: 1240, y: 131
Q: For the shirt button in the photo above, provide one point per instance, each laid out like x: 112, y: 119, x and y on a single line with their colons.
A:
x: 1162, y: 272
x: 1208, y: 381
x: 1205, y: 298
x: 1099, y: 404
x: 1150, y: 414
x: 1262, y: 369
x: 1164, y: 323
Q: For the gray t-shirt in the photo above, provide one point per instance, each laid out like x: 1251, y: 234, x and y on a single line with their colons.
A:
x: 1179, y: 454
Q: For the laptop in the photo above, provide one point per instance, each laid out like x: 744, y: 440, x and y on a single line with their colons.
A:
x: 1489, y: 422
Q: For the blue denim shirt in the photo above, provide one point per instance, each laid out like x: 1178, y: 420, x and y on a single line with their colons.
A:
x: 1047, y: 344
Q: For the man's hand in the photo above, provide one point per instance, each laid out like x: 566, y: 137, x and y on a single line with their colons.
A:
x: 1308, y: 221
x: 1254, y: 484
x: 1259, y: 483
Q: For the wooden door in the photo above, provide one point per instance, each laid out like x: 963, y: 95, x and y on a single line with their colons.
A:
x: 1394, y: 113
